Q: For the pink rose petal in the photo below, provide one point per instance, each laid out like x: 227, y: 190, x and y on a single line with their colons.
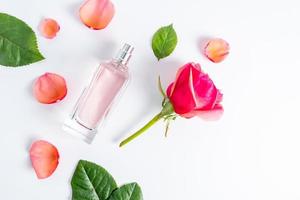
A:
x: 97, y: 14
x: 216, y: 50
x: 181, y: 93
x: 49, y: 28
x: 211, y: 115
x: 207, y: 115
x: 50, y: 88
x: 44, y: 158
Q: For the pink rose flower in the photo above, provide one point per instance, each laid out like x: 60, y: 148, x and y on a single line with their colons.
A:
x: 193, y: 93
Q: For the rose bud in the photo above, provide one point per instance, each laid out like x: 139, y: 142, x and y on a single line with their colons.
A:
x: 50, y: 88
x: 49, y: 28
x: 193, y: 93
x: 44, y: 158
x: 216, y: 50
x: 97, y: 14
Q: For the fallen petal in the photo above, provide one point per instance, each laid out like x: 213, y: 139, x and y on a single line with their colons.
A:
x: 44, y: 158
x: 97, y: 14
x: 50, y: 88
x: 49, y: 28
x: 216, y: 50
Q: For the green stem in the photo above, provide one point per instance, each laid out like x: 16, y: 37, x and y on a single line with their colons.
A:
x: 166, y: 112
x: 155, y: 119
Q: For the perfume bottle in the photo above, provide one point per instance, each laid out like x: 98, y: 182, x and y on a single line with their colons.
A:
x: 95, y: 101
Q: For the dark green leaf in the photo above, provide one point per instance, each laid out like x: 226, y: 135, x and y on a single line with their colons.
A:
x: 91, y: 182
x: 18, y: 44
x: 164, y: 41
x: 131, y: 191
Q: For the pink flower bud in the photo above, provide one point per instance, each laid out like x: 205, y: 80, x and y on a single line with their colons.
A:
x: 44, y: 158
x: 49, y: 28
x: 97, y: 14
x: 50, y: 88
x: 216, y: 50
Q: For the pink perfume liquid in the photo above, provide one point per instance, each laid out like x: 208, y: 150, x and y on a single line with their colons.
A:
x: 97, y: 98
x: 100, y: 95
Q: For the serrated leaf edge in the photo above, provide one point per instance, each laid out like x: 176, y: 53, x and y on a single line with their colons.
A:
x: 35, y: 43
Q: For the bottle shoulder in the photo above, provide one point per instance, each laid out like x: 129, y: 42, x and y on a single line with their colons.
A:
x: 115, y: 67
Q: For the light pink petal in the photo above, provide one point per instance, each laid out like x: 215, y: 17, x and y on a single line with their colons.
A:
x: 50, y: 88
x: 211, y: 115
x: 216, y: 50
x: 44, y: 158
x: 97, y: 14
x: 49, y: 28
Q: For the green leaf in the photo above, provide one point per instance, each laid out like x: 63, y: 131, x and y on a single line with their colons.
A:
x: 164, y: 41
x: 131, y: 191
x: 18, y: 44
x: 91, y: 182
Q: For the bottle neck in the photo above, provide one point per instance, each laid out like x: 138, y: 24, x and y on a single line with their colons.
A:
x: 124, y: 55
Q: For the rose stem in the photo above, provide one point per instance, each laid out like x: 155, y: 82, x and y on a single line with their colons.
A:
x: 155, y: 119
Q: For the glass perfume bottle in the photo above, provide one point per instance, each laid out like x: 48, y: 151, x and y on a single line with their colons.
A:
x: 96, y: 99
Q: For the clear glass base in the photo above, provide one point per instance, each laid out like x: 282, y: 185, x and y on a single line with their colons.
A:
x: 73, y: 127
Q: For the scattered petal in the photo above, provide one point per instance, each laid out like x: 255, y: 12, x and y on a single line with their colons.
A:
x: 49, y: 28
x: 97, y: 14
x: 216, y: 50
x: 44, y: 158
x: 50, y: 88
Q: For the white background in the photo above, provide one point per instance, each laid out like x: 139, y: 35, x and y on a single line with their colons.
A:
x: 252, y: 153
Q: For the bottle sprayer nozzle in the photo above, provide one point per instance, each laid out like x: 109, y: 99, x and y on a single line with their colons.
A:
x: 124, y: 54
